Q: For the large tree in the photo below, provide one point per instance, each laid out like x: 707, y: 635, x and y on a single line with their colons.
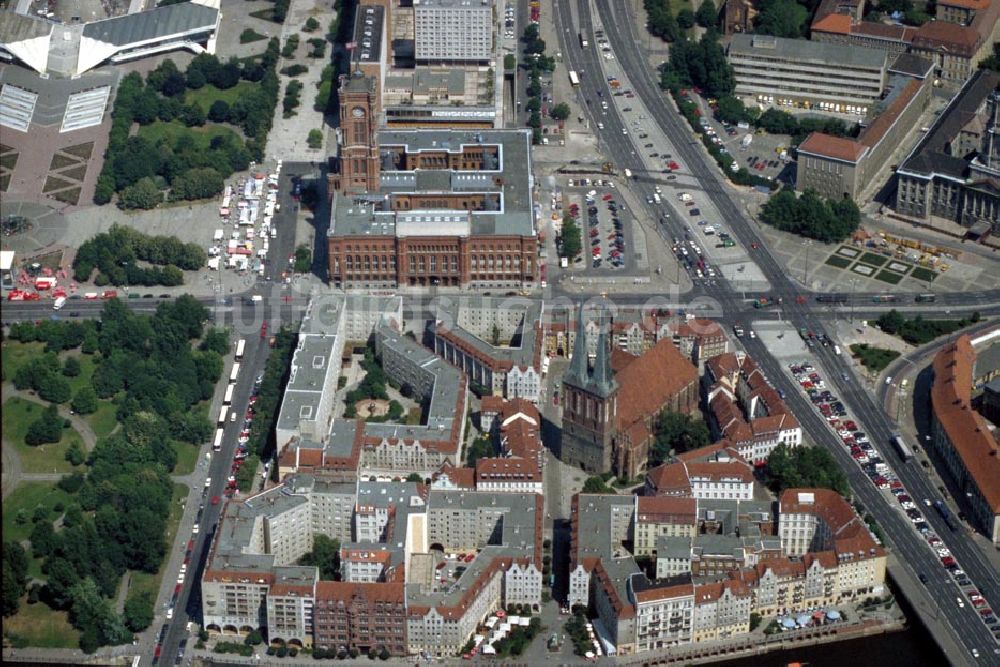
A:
x: 325, y: 555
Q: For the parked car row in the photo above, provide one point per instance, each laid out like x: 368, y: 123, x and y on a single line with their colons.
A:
x: 878, y: 471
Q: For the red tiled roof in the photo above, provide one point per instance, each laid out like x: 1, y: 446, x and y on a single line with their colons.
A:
x: 837, y: 148
x: 645, y: 387
x: 371, y: 592
x: 836, y: 23
x: 941, y: 35
x: 967, y: 430
x: 664, y: 592
x: 975, y: 5
x: 668, y: 479
x: 658, y: 506
x: 461, y: 477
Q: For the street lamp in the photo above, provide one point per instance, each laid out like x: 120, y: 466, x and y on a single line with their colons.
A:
x: 808, y: 244
x: 125, y: 264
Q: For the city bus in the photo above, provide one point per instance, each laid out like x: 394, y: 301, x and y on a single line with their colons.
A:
x: 228, y: 398
x: 573, y: 78
x: 901, y: 447
x: 235, y: 372
x: 240, y: 347
x: 217, y: 444
x: 223, y: 413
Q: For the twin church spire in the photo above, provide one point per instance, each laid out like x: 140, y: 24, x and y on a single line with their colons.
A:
x: 598, y: 379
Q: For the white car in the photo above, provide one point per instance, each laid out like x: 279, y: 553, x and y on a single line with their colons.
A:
x: 194, y: 529
x: 958, y: 574
x: 208, y: 482
x: 927, y: 501
x: 943, y: 553
x: 170, y: 613
x: 600, y: 126
x: 888, y: 379
x: 624, y: 130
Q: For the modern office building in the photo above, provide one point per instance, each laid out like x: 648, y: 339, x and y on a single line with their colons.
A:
x: 840, y: 167
x: 453, y: 31
x: 798, y: 70
x: 954, y: 172
x: 963, y: 438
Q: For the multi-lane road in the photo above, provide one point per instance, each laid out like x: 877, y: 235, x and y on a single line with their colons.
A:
x: 965, y: 626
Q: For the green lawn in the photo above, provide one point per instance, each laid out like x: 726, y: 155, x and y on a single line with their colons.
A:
x: 28, y: 496
x: 174, y: 129
x: 187, y: 458
x: 38, y: 625
x: 872, y: 259
x: 208, y: 94
x: 873, y: 358
x: 15, y: 354
x: 923, y: 274
x: 104, y: 421
x: 144, y: 582
x: 18, y: 414
x: 889, y: 277
x: 839, y: 262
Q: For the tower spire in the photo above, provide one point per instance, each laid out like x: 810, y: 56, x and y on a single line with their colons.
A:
x: 603, y: 379
x: 578, y: 371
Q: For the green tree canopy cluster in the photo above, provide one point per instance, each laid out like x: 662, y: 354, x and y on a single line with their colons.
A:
x: 570, y: 238
x: 118, y: 517
x: 47, y: 428
x: 119, y: 253
x: 15, y: 576
x: 826, y: 220
x: 130, y: 159
x: 43, y: 374
x: 373, y: 384
x: 58, y: 335
x: 781, y: 18
x: 677, y: 433
x: 660, y: 20
x: 777, y: 121
x: 269, y: 394
x: 918, y: 331
x: 325, y: 555
x: 804, y: 467
x: 481, y: 448
x: 700, y: 64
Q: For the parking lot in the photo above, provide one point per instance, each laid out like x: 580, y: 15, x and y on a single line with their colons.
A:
x: 607, y: 233
x: 764, y: 154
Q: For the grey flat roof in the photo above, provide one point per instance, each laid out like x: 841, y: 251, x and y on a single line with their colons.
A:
x: 306, y: 388
x: 16, y: 27
x: 912, y: 65
x: 155, y: 23
x: 594, y: 522
x: 425, y: 79
x: 805, y: 51
x: 444, y: 396
x: 987, y: 360
x: 930, y: 158
x: 449, y: 310
x: 368, y: 23
x: 668, y: 546
x: 341, y: 439
x: 357, y: 216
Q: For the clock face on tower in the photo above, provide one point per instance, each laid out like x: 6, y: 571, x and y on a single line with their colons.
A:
x: 358, y: 112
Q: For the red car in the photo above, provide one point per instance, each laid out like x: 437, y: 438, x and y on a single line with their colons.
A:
x: 607, y: 197
x: 947, y: 561
x: 850, y: 426
x: 673, y: 165
x: 215, y: 500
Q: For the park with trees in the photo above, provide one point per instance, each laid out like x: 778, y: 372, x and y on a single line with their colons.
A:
x: 196, y: 128
x: 812, y: 216
x: 124, y: 256
x: 113, y: 513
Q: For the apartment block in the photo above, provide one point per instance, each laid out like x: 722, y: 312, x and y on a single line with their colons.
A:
x: 453, y: 31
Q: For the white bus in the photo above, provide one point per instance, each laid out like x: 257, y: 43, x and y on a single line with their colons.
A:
x: 228, y: 398
x: 573, y: 78
x: 240, y: 347
x: 223, y: 413
x: 235, y: 373
x: 217, y: 445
